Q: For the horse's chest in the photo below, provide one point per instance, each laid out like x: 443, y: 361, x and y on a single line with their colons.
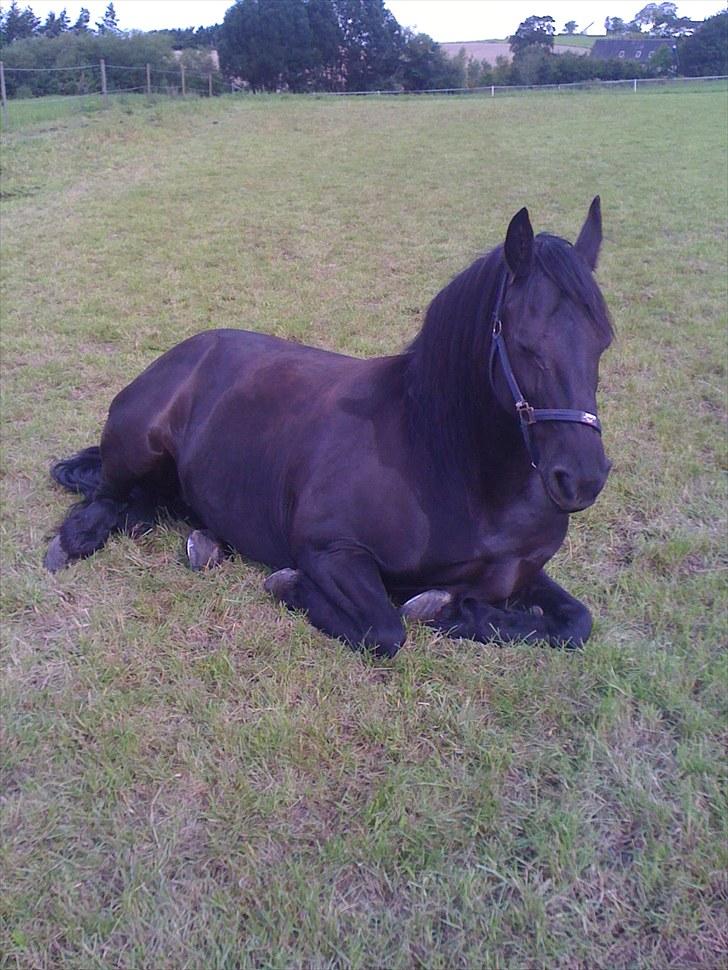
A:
x: 495, y: 553
x: 523, y: 529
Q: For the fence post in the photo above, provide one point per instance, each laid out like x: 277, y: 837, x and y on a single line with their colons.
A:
x: 182, y: 75
x: 209, y: 85
x: 104, y: 92
x: 492, y: 90
x: 634, y: 85
x: 3, y: 95
x: 149, y: 80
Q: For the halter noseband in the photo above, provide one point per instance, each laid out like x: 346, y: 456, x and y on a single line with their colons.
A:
x: 527, y: 415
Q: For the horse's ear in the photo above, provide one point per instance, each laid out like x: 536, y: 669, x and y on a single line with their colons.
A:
x: 590, y: 237
x: 518, y: 248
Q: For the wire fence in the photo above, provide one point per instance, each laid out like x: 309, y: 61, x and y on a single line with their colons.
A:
x: 492, y: 90
x: 21, y: 86
x: 26, y: 91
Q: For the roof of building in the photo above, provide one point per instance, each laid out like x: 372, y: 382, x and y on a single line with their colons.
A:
x: 632, y: 49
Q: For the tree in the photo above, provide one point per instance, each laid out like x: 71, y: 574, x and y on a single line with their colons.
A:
x: 532, y: 65
x: 17, y: 23
x: 533, y: 32
x: 82, y: 22
x: 109, y: 24
x: 661, y: 20
x: 267, y: 43
x: 615, y: 25
x: 570, y: 27
x: 643, y: 17
x: 55, y: 25
x: 706, y: 52
x: 327, y: 38
x: 423, y: 66
x: 372, y: 44
x: 662, y: 61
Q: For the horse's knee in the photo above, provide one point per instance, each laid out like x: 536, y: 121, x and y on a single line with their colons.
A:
x: 204, y: 550
x: 385, y: 640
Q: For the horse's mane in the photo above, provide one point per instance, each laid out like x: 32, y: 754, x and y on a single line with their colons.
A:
x: 447, y: 363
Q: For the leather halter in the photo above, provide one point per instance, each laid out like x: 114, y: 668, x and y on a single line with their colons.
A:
x: 527, y: 415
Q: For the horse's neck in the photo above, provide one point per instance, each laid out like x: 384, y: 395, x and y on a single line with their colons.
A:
x: 488, y: 456
x: 502, y: 459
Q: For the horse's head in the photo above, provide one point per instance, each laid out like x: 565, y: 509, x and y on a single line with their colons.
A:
x: 550, y: 327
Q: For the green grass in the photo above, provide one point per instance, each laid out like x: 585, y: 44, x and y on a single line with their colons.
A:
x: 576, y: 40
x: 34, y: 111
x: 191, y: 777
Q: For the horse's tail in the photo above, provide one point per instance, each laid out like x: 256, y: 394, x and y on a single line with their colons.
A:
x: 80, y: 473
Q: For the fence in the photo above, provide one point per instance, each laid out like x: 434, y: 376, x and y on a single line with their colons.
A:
x: 79, y: 83
x: 491, y: 90
x: 101, y: 80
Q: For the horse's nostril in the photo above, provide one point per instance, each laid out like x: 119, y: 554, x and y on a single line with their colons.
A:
x: 563, y: 484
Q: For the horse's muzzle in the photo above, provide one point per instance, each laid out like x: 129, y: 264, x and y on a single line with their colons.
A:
x: 571, y: 492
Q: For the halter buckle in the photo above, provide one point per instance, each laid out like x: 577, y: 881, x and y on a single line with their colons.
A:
x: 526, y: 413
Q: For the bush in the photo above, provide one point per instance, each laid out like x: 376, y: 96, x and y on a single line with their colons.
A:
x: 83, y: 52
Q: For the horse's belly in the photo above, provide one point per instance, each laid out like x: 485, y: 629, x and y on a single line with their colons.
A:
x: 240, y: 496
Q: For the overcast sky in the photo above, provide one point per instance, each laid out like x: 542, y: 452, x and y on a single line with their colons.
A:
x: 444, y: 20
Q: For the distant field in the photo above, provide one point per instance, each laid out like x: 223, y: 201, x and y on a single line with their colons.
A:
x: 192, y: 777
x: 576, y: 40
x: 491, y: 50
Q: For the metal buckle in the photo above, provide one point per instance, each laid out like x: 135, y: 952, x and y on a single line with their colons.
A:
x: 525, y: 412
x: 497, y: 327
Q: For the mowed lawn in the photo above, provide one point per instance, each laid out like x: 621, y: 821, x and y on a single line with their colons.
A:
x: 191, y: 776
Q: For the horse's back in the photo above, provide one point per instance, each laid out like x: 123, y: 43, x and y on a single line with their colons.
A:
x: 189, y: 380
x: 235, y: 414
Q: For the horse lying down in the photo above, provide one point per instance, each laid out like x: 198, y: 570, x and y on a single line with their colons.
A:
x: 432, y: 485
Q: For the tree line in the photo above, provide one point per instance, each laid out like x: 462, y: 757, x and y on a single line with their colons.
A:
x: 693, y: 50
x: 655, y: 19
x: 336, y: 45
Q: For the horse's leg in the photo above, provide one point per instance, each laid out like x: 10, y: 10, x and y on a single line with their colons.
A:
x: 342, y: 592
x: 88, y: 525
x: 129, y: 491
x: 426, y: 606
x: 568, y: 621
x: 542, y: 610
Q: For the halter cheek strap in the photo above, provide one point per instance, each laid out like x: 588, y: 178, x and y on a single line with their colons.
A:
x: 527, y: 415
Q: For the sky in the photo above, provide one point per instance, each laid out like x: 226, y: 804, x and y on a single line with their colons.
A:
x: 443, y: 20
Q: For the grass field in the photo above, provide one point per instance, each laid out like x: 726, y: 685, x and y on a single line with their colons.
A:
x: 576, y: 40
x: 192, y: 777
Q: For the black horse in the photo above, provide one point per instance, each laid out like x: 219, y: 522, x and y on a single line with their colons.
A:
x: 423, y: 485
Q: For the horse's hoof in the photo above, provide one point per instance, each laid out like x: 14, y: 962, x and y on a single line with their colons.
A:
x: 426, y: 606
x: 203, y: 550
x: 56, y: 557
x: 280, y: 583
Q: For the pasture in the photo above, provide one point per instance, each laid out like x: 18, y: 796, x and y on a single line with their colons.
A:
x: 191, y: 776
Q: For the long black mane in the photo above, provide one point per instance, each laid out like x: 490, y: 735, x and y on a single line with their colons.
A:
x: 448, y: 383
